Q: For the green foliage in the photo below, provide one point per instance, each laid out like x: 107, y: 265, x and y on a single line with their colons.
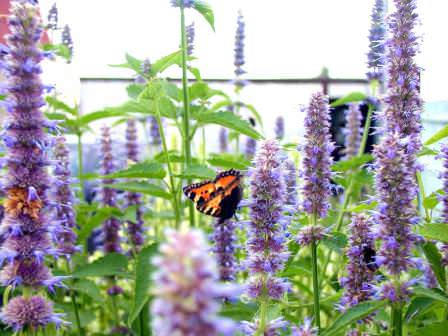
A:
x: 144, y: 169
x: 144, y: 188
x: 435, y: 260
x: 206, y: 11
x: 435, y: 232
x: 352, y: 97
x: 109, y: 265
x: 442, y: 134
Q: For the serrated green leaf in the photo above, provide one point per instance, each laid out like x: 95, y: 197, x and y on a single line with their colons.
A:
x: 441, y: 134
x: 206, y: 11
x: 110, y: 264
x: 363, y: 207
x: 417, y: 306
x: 134, y: 63
x: 229, y: 120
x: 336, y: 240
x: 198, y: 172
x: 431, y: 201
x: 427, y: 151
x: 433, y: 329
x: 144, y: 169
x: 435, y: 260
x: 134, y: 90
x: 436, y: 231
x: 98, y: 115
x: 142, y: 188
x: 89, y: 288
x: 142, y: 280
x: 228, y: 161
x: 352, y: 315
x: 433, y: 293
x: 165, y: 62
x: 239, y: 311
x: 60, y: 105
x: 350, y: 98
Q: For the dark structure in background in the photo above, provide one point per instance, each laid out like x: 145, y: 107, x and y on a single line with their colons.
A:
x: 338, y: 124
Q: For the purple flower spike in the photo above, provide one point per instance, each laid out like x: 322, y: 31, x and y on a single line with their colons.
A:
x: 132, y: 198
x: 279, y: 128
x: 353, y: 131
x: 251, y: 148
x: 317, y: 158
x: 444, y: 197
x: 154, y: 131
x: 396, y: 212
x: 375, y: 56
x: 239, y: 47
x: 306, y: 329
x: 402, y: 100
x: 291, y: 185
x: 34, y: 312
x: 53, y: 17
x: 223, y: 140
x: 186, y: 3
x: 266, y: 243
x: 187, y: 288
x: 361, y: 263
x: 111, y: 227
x: 25, y: 228
x: 273, y: 328
x: 67, y: 40
x: 311, y: 233
x: 190, y: 31
x: 63, y: 199
x: 224, y: 248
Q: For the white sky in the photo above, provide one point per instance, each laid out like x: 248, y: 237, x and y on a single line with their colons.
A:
x: 285, y: 38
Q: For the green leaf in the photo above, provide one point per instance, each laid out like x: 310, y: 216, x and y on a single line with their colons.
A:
x: 206, y: 11
x: 353, y: 163
x: 142, y: 188
x: 434, y: 293
x: 89, y: 288
x: 427, y: 151
x: 144, y: 169
x: 165, y: 62
x: 363, y: 207
x: 417, y: 306
x: 435, y: 260
x: 198, y: 172
x: 229, y: 120
x: 134, y: 63
x: 350, y: 98
x: 96, y: 220
x: 110, y: 264
x: 441, y: 134
x: 228, y: 161
x: 60, y: 105
x: 255, y: 113
x: 134, y: 90
x: 98, y: 115
x: 336, y: 240
x: 142, y: 281
x: 239, y: 311
x: 352, y: 315
x: 435, y: 232
x: 433, y: 329
x: 431, y: 201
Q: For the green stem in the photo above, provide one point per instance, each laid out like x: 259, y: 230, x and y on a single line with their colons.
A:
x: 263, y: 316
x: 315, y: 278
x: 75, y: 304
x: 423, y: 195
x: 397, y: 320
x: 168, y: 164
x: 186, y: 101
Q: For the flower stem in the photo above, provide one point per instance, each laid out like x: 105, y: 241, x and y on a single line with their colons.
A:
x: 168, y: 164
x: 75, y: 304
x: 397, y: 320
x: 315, y: 278
x: 186, y: 101
x: 263, y: 316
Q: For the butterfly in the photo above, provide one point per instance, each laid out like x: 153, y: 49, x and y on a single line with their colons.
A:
x: 369, y: 255
x: 217, y: 198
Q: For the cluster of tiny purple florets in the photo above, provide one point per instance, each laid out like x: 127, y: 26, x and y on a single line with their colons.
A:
x: 190, y: 34
x: 375, y: 56
x: 317, y: 160
x: 135, y: 229
x: 27, y: 227
x: 185, y: 3
x: 187, y: 291
x: 266, y: 242
x: 224, y: 238
x: 111, y: 227
x: 353, y: 131
x: 279, y: 128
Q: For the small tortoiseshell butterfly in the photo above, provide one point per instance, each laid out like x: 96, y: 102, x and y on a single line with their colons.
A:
x: 217, y: 198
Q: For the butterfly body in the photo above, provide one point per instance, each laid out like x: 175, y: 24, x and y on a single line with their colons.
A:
x: 217, y: 198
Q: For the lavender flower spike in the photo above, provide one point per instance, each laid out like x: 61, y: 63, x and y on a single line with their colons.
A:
x: 239, y: 51
x: 224, y: 248
x: 266, y: 243
x: 375, y: 56
x: 353, y: 131
x: 291, y: 184
x: 154, y: 131
x: 187, y: 288
x: 190, y: 32
x: 185, y: 3
x: 53, y: 17
x: 250, y: 148
x: 111, y: 226
x: 223, y: 140
x: 361, y: 263
x: 402, y: 101
x: 444, y: 197
x: 26, y: 225
x: 316, y: 189
x: 63, y: 199
x: 134, y: 199
x: 396, y: 212
x: 67, y: 40
x: 279, y: 128
x: 306, y: 329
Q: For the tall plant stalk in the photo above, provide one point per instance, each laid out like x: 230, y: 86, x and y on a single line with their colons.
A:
x: 316, y: 285
x: 186, y: 103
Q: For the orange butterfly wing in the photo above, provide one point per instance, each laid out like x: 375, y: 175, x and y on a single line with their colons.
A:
x: 217, y: 198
